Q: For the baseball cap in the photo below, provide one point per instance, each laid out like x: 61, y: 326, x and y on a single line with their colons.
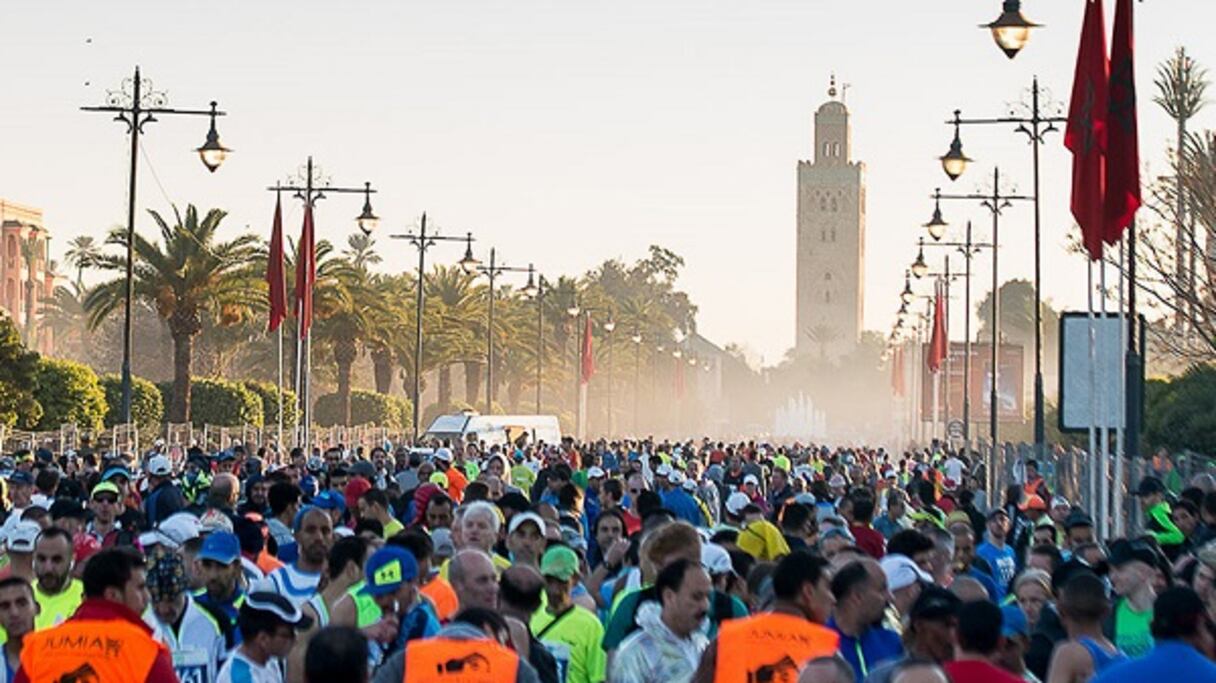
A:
x: 935, y: 602
x: 388, y: 568
x: 442, y: 540
x: 329, y: 500
x: 444, y: 454
x: 519, y: 519
x: 116, y: 471
x: 1013, y: 621
x: 22, y: 536
x: 736, y: 502
x: 1122, y: 552
x: 159, y: 466
x: 837, y: 481
x: 20, y: 478
x: 167, y: 577
x: 272, y: 603
x: 1060, y: 502
x: 365, y: 469
x: 1077, y: 518
x: 559, y: 562
x: 902, y: 572
x: 221, y: 546
x: 751, y: 479
x: 595, y: 472
x: 105, y: 487
x: 715, y: 559
x: 214, y: 520
x: 689, y: 485
x: 675, y: 478
x: 997, y: 511
x: 663, y: 470
x: 1149, y: 486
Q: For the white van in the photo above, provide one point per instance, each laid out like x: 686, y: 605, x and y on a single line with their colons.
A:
x: 494, y: 429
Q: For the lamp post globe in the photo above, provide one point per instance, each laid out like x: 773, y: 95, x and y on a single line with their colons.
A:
x: 1011, y: 30
x: 936, y: 225
x: 919, y: 267
x: 954, y: 162
x: 212, y: 153
x: 469, y: 264
x: 367, y: 220
x: 530, y: 290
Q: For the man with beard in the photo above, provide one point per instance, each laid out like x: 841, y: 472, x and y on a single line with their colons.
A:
x: 860, y: 589
x: 930, y: 635
x: 256, y: 490
x: 314, y: 535
x: 218, y: 564
x: 57, y: 593
x: 668, y: 646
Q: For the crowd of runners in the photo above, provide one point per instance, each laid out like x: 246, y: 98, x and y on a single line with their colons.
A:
x: 627, y: 561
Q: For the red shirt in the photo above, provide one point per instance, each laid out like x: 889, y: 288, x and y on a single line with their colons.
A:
x: 870, y: 541
x: 976, y: 671
x: 108, y: 610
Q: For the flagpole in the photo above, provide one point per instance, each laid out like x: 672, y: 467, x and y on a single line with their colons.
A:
x: 1120, y: 443
x: 279, y: 339
x: 1093, y: 389
x: 1104, y: 428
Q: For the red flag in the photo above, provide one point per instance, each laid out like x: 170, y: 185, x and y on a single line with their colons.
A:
x: 1122, y: 140
x: 1086, y: 133
x: 274, y: 271
x: 897, y: 371
x: 306, y: 273
x: 937, y: 343
x: 588, y: 356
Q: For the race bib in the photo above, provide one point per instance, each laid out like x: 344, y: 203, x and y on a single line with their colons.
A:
x: 191, y: 666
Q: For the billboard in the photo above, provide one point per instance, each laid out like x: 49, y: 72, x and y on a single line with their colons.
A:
x: 1011, y: 387
x: 1107, y: 403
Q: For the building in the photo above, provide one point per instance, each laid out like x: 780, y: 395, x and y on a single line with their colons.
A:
x: 26, y: 243
x: 831, y: 238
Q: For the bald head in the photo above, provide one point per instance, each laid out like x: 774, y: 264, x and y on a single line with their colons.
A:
x: 919, y: 672
x: 827, y: 670
x: 473, y: 578
x: 968, y: 589
x: 520, y: 590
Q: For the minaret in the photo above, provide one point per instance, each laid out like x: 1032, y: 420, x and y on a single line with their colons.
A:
x: 831, y: 238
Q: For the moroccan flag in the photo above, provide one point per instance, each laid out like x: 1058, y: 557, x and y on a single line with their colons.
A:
x: 897, y: 371
x: 306, y: 273
x: 588, y: 357
x: 274, y: 271
x: 1086, y: 133
x: 937, y: 343
x: 1122, y: 140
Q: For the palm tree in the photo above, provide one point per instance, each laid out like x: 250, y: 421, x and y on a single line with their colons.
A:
x: 82, y: 249
x: 458, y: 303
x: 361, y: 251
x: 343, y: 323
x: 189, y: 276
x: 31, y: 253
x: 1181, y: 84
x: 63, y: 312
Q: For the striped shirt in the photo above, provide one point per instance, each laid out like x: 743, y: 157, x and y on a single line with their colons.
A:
x: 294, y: 584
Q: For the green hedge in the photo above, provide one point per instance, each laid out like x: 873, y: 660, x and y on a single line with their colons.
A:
x: 68, y: 392
x: 219, y: 402
x: 1181, y: 414
x: 268, y: 393
x: 366, y: 407
x: 147, y: 406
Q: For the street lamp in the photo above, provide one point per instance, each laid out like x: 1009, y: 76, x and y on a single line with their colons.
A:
x: 1035, y: 127
x: 536, y: 290
x: 309, y: 186
x: 367, y: 220
x: 421, y: 241
x: 469, y: 263
x: 954, y: 162
x: 136, y: 104
x: 919, y: 267
x: 492, y: 270
x: 907, y: 296
x: 1011, y: 30
x: 936, y: 225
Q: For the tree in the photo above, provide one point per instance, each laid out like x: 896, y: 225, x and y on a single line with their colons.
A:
x: 69, y: 392
x: 63, y: 313
x: 190, y: 276
x: 343, y: 323
x: 31, y: 253
x: 82, y: 251
x: 361, y: 251
x: 459, y: 305
x: 18, y: 372
x: 1181, y: 84
x: 1181, y: 414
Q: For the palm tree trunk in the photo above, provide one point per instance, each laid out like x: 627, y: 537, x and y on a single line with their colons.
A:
x: 344, y: 367
x: 382, y: 370
x: 472, y: 381
x: 445, y: 385
x: 183, y: 352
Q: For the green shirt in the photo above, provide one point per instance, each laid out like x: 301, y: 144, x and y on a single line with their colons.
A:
x: 574, y: 642
x: 393, y: 528
x: 1132, y: 632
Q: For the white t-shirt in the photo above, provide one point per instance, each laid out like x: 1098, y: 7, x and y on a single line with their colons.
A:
x: 954, y: 470
x: 241, y: 669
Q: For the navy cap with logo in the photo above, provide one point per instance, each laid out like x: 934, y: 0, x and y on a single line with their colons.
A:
x: 1148, y: 486
x: 1122, y: 552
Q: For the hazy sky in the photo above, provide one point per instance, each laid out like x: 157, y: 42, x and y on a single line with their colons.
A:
x: 566, y: 132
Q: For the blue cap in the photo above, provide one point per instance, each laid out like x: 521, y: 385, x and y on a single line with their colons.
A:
x: 1013, y: 622
x: 116, y: 471
x: 21, y: 477
x: 220, y: 546
x: 329, y: 500
x: 388, y: 568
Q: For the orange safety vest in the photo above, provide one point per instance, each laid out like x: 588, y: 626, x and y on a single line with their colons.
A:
x: 90, y: 651
x: 443, y: 597
x: 770, y: 647
x: 446, y: 660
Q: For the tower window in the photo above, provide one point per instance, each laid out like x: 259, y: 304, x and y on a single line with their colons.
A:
x: 827, y: 149
x: 834, y: 207
x: 827, y: 276
x: 835, y: 149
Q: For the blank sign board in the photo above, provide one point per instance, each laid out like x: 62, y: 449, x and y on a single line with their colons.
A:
x: 1083, y: 394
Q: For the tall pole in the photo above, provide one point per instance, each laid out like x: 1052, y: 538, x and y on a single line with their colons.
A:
x: 996, y: 310
x: 540, y: 338
x: 136, y: 111
x: 637, y: 379
x: 490, y: 340
x: 967, y: 346
x: 611, y: 366
x: 418, y: 308
x: 949, y: 366
x: 1040, y: 427
x: 1133, y: 361
x: 306, y: 338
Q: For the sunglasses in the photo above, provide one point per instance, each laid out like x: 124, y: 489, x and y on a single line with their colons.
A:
x: 635, y: 491
x: 106, y: 499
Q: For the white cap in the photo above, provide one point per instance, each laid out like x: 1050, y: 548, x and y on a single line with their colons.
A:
x: 1060, y: 502
x: 173, y: 531
x: 736, y: 502
x: 689, y: 485
x: 675, y: 477
x: 902, y: 572
x: 444, y: 454
x: 715, y: 559
x: 837, y: 481
x: 595, y: 472
x: 663, y: 470
x: 159, y: 466
x: 214, y: 520
x: 751, y: 479
x: 519, y: 519
x: 22, y: 536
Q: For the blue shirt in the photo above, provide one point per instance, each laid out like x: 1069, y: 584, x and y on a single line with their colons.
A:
x: 1170, y: 660
x: 1003, y: 565
x: 682, y: 504
x: 875, y: 646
